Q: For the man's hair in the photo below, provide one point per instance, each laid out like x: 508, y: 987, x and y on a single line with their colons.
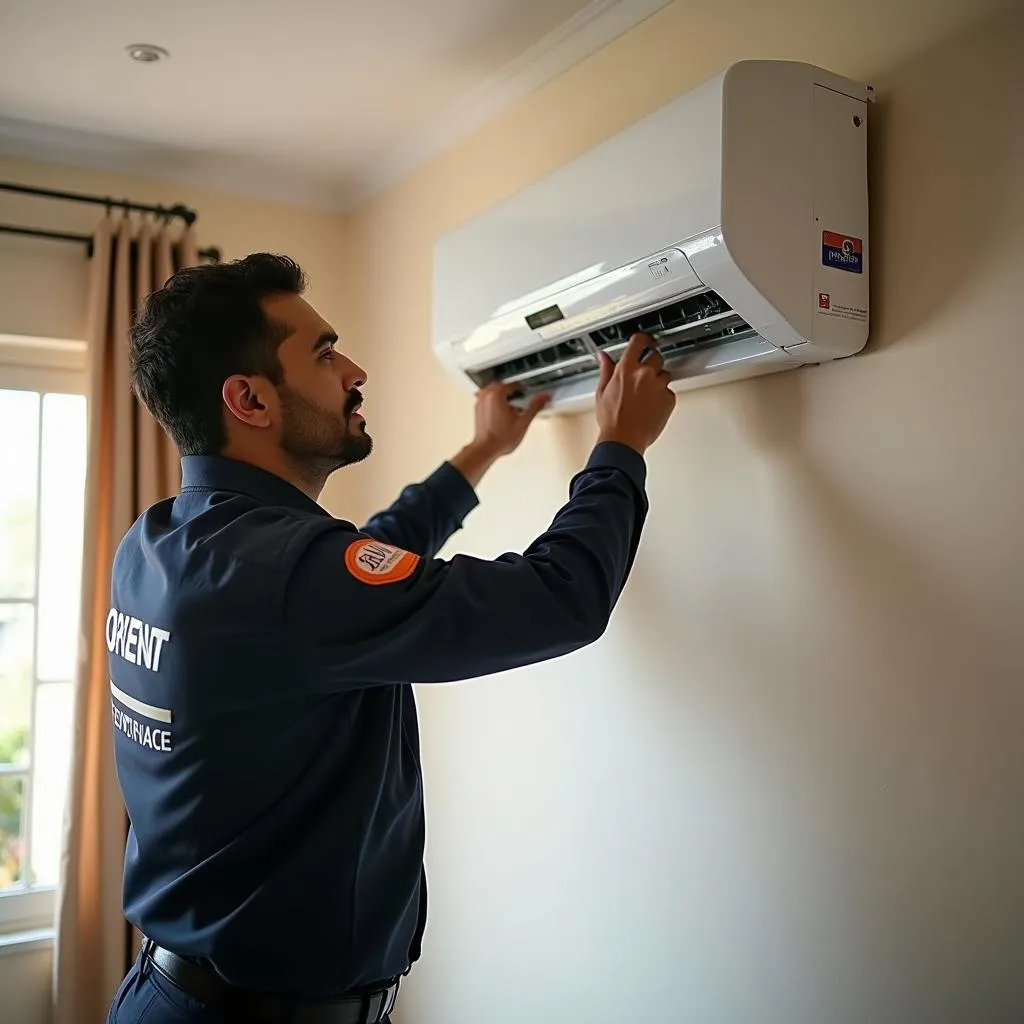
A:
x: 204, y: 325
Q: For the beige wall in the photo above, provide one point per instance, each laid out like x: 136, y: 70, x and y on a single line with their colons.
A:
x: 25, y: 979
x: 787, y: 785
x: 43, y: 283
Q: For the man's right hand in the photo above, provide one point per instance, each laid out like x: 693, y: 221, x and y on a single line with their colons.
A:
x: 633, y: 398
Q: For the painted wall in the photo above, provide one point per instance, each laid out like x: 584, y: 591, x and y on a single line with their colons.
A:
x: 786, y: 785
x: 25, y: 978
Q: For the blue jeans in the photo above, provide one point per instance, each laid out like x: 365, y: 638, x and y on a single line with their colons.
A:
x: 147, y: 997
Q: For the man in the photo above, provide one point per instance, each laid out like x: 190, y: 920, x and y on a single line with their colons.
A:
x: 262, y: 651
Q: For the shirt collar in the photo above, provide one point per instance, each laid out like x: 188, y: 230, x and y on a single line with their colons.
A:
x: 217, y: 473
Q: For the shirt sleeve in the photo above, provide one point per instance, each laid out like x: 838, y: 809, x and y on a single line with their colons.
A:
x: 425, y: 515
x: 363, y: 613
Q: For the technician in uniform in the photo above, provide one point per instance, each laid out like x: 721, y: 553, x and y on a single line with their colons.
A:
x: 261, y: 651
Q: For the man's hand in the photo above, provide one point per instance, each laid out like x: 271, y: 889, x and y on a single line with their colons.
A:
x: 500, y: 428
x: 634, y: 402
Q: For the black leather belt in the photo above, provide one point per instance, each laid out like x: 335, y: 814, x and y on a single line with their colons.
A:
x: 263, y: 1008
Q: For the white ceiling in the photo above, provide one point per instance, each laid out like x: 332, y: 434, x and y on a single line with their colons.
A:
x: 320, y: 102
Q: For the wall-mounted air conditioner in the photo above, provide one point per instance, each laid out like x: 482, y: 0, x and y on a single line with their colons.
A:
x: 732, y: 224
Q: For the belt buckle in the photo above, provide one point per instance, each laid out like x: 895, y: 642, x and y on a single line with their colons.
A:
x: 381, y: 1003
x: 376, y: 1006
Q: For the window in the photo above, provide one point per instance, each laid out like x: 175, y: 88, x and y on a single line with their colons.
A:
x: 43, y: 448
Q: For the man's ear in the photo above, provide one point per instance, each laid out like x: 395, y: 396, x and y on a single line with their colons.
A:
x: 248, y: 399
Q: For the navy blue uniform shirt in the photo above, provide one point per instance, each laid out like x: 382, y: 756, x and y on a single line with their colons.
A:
x: 261, y: 656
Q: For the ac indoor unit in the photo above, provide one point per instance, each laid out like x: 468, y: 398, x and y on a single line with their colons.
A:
x: 731, y: 224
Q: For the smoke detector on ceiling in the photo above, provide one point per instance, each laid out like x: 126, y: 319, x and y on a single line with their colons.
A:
x: 146, y: 53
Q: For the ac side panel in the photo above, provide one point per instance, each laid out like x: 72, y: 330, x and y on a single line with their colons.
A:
x: 794, y: 194
x: 839, y: 294
x: 768, y: 188
x: 645, y: 189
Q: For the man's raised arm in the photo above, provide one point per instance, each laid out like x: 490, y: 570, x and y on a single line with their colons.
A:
x: 426, y: 514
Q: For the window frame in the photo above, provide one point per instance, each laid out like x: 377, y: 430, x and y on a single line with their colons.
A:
x: 41, y: 365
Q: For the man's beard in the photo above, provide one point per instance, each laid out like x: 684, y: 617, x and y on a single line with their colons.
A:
x: 317, y: 439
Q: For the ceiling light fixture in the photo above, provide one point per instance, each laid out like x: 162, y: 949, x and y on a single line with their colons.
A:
x: 146, y: 53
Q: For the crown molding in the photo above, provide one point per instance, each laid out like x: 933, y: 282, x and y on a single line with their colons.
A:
x: 588, y: 31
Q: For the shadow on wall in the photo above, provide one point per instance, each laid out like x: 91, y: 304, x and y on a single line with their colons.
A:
x: 929, y: 220
x: 890, y: 736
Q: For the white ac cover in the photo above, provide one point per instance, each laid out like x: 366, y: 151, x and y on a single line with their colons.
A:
x: 732, y: 224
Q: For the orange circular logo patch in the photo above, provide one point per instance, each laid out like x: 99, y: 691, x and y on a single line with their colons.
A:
x: 373, y: 562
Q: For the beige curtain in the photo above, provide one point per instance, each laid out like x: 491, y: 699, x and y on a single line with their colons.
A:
x: 132, y: 463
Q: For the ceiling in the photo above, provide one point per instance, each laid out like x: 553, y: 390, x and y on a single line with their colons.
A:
x: 319, y: 102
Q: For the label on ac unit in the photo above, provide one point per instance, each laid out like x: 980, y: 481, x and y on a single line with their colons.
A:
x: 842, y: 252
x: 827, y: 306
x: 667, y: 264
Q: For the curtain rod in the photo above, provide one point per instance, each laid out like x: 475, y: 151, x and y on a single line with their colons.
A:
x: 178, y: 210
x: 212, y: 253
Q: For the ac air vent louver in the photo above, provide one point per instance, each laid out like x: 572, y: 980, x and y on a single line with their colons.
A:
x: 543, y: 368
x: 659, y: 321
x: 680, y: 327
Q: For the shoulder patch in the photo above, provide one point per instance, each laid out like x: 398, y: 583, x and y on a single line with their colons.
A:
x: 374, y: 562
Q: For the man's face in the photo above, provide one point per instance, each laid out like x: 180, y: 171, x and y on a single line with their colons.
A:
x: 319, y: 397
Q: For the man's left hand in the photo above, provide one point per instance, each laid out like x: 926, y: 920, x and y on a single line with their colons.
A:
x: 500, y: 428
